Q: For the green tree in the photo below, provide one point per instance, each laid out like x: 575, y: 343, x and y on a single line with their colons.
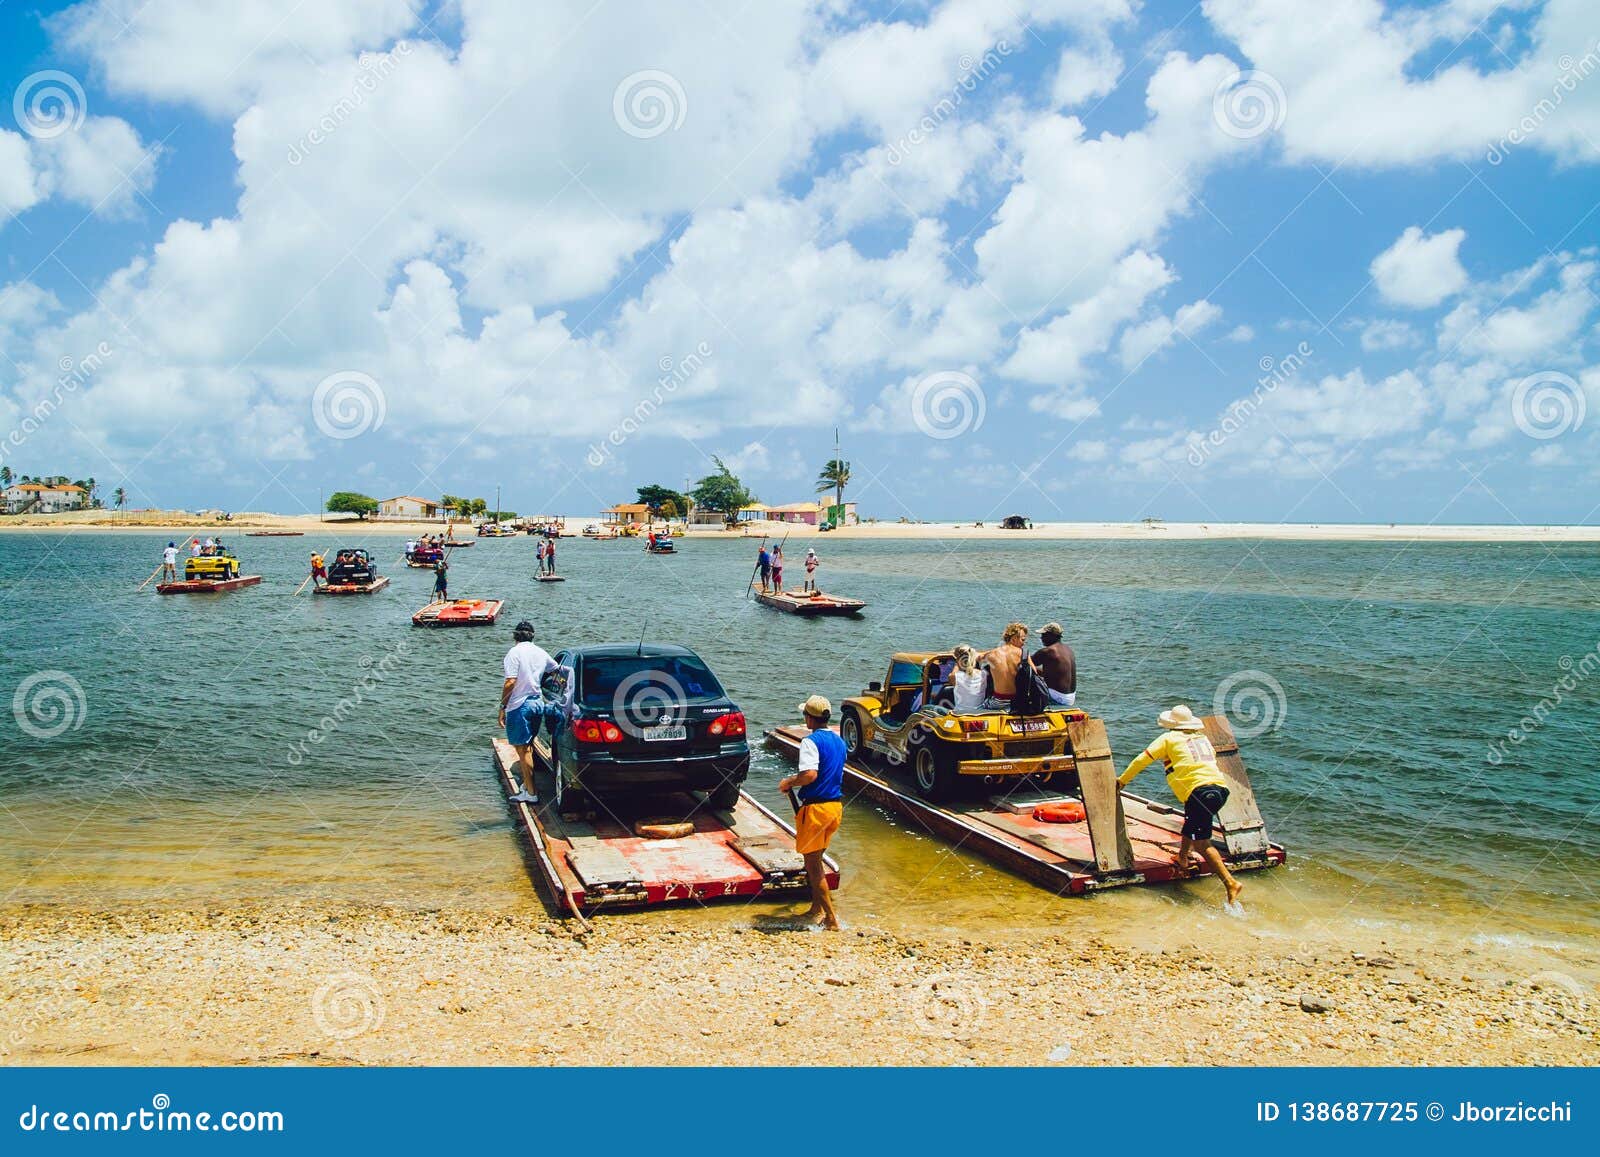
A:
x: 5, y: 477
x: 658, y: 498
x: 349, y: 502
x: 835, y: 476
x: 120, y: 497
x: 721, y: 492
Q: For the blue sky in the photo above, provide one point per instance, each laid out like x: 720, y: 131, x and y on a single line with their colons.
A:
x: 1218, y: 262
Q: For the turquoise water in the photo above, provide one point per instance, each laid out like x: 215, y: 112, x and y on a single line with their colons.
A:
x: 187, y: 769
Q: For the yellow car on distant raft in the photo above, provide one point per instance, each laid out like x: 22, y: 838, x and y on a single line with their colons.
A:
x: 211, y: 567
x: 899, y: 721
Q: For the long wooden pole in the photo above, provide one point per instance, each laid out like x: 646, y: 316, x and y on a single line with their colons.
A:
x: 152, y: 575
x: 302, y: 586
x: 757, y: 569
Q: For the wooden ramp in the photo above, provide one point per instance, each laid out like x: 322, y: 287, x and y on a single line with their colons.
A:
x: 599, y: 863
x: 1069, y: 859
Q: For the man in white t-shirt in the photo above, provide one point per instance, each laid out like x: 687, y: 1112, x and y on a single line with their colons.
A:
x: 169, y: 563
x: 522, y: 703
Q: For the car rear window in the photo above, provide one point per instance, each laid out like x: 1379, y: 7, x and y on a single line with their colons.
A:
x: 656, y: 678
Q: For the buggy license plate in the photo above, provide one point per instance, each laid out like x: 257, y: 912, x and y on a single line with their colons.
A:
x: 666, y: 731
x: 1023, y: 726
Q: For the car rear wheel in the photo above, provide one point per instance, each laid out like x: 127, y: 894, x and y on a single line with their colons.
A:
x: 569, y: 799
x: 933, y: 771
x: 853, y: 734
x: 726, y: 797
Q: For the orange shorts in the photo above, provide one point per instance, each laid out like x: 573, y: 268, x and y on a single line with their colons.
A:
x: 815, y: 824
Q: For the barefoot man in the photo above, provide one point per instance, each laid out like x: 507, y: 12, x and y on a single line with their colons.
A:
x: 1192, y: 775
x: 818, y: 784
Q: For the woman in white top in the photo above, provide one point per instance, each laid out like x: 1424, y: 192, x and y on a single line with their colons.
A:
x: 971, y: 685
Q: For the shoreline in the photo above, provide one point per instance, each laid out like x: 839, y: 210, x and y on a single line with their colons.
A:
x: 346, y: 984
x: 310, y: 524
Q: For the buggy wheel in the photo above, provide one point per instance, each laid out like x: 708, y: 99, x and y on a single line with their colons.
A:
x: 854, y: 736
x: 932, y: 770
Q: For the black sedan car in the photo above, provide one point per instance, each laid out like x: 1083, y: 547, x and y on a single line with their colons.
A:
x: 649, y: 719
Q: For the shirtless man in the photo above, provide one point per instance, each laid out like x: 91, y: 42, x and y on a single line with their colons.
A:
x: 1003, y: 663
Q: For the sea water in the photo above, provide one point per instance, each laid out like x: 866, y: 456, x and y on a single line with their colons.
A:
x: 1419, y: 721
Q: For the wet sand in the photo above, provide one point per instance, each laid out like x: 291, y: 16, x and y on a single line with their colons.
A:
x: 368, y: 985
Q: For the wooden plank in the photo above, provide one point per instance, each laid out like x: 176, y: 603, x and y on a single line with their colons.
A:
x: 769, y: 857
x: 1102, y: 798
x: 597, y: 863
x: 1243, y: 830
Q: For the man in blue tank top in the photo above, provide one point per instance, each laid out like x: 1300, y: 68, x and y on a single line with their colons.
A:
x: 817, y: 788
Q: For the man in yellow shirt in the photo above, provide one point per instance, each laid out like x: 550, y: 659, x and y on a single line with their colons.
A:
x: 1192, y: 774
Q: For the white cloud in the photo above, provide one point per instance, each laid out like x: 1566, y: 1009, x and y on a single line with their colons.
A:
x: 1084, y: 76
x: 19, y: 188
x: 1384, y: 334
x: 180, y: 50
x: 101, y: 165
x: 1241, y: 333
x: 1055, y: 354
x: 1141, y: 341
x: 1546, y: 328
x: 1421, y: 270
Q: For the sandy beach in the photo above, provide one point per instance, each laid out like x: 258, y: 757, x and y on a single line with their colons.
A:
x: 343, y: 985
x: 244, y: 522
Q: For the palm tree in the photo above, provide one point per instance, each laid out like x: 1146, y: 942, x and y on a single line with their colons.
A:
x: 5, y: 477
x: 120, y: 497
x: 835, y: 476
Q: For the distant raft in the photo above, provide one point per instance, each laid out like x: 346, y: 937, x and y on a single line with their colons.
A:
x: 459, y: 613
x: 202, y: 586
x: 810, y: 603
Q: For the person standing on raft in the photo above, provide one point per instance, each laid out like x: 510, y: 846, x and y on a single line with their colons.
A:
x: 1192, y: 774
x: 550, y: 556
x: 319, y: 570
x: 818, y: 786
x: 539, y: 554
x: 811, y: 569
x: 777, y: 568
x: 522, y: 702
x: 764, y: 565
x: 441, y: 584
x: 169, y: 563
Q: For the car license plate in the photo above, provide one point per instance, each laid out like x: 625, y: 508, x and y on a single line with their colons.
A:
x: 1023, y: 726
x: 665, y: 731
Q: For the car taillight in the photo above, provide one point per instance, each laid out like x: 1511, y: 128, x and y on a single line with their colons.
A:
x: 596, y: 731
x: 974, y: 725
x: 729, y: 726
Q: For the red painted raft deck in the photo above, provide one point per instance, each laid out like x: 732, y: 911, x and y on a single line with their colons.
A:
x: 206, y: 586
x: 459, y: 613
x: 1060, y: 857
x: 598, y: 863
x: 376, y: 584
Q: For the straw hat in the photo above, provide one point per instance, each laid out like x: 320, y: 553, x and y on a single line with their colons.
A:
x: 816, y: 707
x: 1180, y: 718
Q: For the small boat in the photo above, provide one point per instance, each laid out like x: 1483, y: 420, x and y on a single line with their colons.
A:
x: 459, y: 543
x: 660, y: 544
x: 810, y: 603
x: 495, y: 530
x: 551, y: 578
x: 204, y: 586
x: 459, y: 613
x: 274, y: 533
